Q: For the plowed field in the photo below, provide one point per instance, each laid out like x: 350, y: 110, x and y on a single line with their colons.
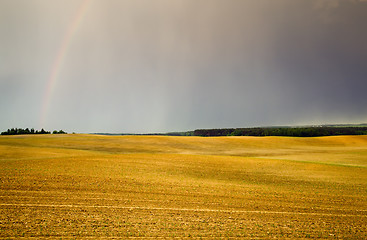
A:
x: 88, y: 186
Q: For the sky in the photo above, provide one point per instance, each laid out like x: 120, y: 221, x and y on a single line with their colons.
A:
x: 139, y: 66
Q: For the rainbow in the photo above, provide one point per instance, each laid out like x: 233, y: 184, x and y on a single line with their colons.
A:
x: 60, y: 58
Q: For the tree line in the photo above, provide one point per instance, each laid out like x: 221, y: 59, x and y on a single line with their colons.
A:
x: 286, y: 131
x: 21, y: 131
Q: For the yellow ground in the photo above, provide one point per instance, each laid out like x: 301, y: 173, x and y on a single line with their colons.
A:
x: 87, y: 186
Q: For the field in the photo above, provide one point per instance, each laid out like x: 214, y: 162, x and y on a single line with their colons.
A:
x: 89, y: 186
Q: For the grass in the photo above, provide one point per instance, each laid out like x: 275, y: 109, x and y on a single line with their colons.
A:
x: 80, y: 186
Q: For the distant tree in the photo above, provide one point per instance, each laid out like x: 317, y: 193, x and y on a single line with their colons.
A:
x: 58, y: 132
x: 20, y: 131
x: 286, y: 131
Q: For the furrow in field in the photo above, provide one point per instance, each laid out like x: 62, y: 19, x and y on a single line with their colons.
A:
x: 177, y: 209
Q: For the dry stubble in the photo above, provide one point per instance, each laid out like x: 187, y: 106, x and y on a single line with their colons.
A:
x: 78, y: 186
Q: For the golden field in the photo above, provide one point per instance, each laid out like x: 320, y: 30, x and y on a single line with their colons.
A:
x: 89, y: 186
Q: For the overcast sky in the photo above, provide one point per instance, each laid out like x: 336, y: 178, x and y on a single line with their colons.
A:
x: 174, y: 65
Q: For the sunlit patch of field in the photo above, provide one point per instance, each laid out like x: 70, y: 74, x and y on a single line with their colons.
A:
x: 79, y: 186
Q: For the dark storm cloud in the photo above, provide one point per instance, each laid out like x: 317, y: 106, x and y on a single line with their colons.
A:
x: 324, y: 60
x: 163, y: 65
